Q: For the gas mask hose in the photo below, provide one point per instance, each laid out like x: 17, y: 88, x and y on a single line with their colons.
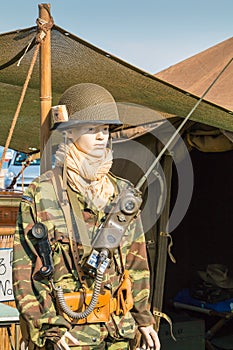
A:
x: 80, y: 315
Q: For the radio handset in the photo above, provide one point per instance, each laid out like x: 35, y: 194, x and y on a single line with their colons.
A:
x: 40, y: 232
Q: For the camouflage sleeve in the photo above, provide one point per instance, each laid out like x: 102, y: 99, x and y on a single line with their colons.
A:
x: 32, y: 293
x: 137, y: 264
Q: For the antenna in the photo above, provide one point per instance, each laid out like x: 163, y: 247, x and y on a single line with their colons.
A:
x: 144, y: 177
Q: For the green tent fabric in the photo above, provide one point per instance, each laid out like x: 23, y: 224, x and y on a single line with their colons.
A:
x: 75, y: 61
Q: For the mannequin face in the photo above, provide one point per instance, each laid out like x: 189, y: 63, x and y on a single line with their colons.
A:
x: 91, y: 138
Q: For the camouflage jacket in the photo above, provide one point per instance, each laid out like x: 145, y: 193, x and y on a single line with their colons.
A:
x: 33, y: 293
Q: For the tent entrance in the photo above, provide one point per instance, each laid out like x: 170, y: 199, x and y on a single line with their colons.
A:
x: 203, y: 237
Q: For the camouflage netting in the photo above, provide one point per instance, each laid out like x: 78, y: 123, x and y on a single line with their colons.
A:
x: 75, y: 61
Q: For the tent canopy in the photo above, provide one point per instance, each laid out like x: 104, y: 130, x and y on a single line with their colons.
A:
x: 76, y: 61
x: 197, y: 72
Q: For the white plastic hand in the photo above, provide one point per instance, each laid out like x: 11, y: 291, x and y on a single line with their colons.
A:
x: 62, y: 344
x: 150, y: 339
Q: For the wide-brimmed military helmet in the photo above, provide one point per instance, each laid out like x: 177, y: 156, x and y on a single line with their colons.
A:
x: 86, y: 103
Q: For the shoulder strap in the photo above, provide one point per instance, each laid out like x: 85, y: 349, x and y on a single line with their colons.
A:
x: 80, y: 223
x: 63, y: 199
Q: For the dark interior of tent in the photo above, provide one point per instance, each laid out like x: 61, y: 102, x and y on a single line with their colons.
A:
x: 205, y: 234
x: 203, y: 237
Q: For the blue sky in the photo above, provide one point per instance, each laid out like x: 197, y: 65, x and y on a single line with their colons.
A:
x: 150, y: 34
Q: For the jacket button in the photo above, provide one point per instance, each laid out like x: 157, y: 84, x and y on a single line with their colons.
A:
x: 94, y: 340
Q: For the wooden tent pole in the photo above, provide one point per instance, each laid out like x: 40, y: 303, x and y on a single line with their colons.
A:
x: 45, y: 91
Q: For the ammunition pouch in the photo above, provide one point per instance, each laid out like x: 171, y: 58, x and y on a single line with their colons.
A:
x: 78, y: 302
x: 106, y: 304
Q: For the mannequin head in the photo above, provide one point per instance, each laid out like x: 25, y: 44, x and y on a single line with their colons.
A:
x: 91, y: 139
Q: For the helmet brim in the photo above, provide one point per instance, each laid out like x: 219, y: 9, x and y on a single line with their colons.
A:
x: 72, y: 123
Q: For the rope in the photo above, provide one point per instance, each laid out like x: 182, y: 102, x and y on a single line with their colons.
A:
x: 18, y: 56
x: 20, y: 103
x: 43, y: 28
x: 166, y: 234
x: 24, y: 166
x: 159, y: 314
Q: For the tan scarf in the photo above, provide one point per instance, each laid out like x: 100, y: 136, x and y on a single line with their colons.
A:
x: 88, y: 175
